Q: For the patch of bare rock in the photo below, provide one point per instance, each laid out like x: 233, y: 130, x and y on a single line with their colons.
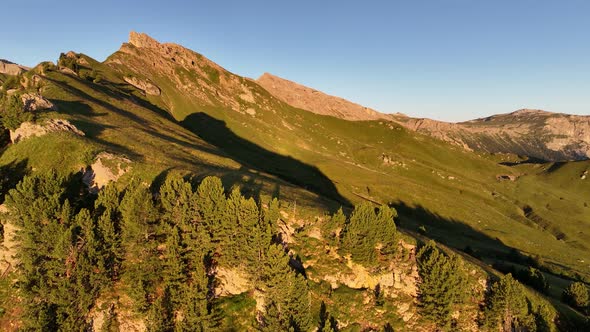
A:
x: 10, y: 68
x: 35, y: 102
x: 30, y: 129
x: 107, y: 167
x: 143, y: 85
x: 315, y: 101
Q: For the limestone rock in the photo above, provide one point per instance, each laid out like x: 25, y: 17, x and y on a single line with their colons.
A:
x: 8, y: 248
x: 232, y: 282
x: 36, y: 102
x: 144, y: 85
x: 67, y: 70
x: 534, y: 133
x: 29, y: 129
x: 9, y: 68
x: 107, y: 167
x: 528, y: 132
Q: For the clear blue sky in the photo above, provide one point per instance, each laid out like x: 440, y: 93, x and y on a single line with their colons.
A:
x: 444, y: 59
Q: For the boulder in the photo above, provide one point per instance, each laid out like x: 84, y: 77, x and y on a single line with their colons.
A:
x: 36, y: 102
x: 232, y: 281
x: 107, y: 167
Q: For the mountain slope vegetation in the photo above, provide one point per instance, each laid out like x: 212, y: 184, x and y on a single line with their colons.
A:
x: 179, y: 117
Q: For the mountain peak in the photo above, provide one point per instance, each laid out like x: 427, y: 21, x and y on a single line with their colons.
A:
x: 142, y: 40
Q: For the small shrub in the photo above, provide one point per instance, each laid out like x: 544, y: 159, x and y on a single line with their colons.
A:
x: 576, y: 295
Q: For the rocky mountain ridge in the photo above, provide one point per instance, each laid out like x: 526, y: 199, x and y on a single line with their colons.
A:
x: 534, y: 133
x: 316, y: 101
x: 10, y: 68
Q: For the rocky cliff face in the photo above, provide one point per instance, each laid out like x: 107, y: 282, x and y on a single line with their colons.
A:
x: 175, y: 72
x: 534, y: 133
x: 315, y: 101
x: 9, y: 68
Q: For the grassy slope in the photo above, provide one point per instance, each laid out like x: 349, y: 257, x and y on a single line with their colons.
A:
x: 116, y: 118
x: 453, y: 192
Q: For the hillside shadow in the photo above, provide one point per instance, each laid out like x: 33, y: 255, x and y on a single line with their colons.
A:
x: 529, y: 160
x: 555, y: 167
x: 93, y: 129
x: 217, y: 133
x: 11, y: 174
x: 453, y: 233
x: 103, y: 103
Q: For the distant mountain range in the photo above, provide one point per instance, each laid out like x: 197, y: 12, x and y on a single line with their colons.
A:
x: 533, y: 133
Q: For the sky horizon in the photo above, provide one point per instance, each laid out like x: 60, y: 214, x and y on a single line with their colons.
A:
x: 452, y: 60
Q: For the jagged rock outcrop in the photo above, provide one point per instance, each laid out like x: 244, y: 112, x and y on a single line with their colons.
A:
x: 30, y: 129
x: 36, y: 102
x: 10, y: 68
x: 144, y: 85
x: 178, y: 70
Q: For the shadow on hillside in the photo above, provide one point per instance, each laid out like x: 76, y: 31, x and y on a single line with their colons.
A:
x: 93, y: 129
x: 453, y: 233
x: 256, y: 157
x: 555, y: 167
x: 103, y: 103
x: 219, y: 139
x: 11, y: 174
x: 529, y: 160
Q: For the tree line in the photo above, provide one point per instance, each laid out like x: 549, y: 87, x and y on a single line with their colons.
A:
x: 163, y: 248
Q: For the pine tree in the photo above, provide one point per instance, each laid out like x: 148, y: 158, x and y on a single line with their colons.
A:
x: 287, y: 293
x: 196, y: 305
x: 441, y: 284
x: 139, y: 232
x: 210, y: 203
x: 176, y: 197
x: 161, y: 316
x: 359, y: 239
x: 333, y: 226
x: 13, y: 113
x: 274, y: 320
x: 508, y: 306
x: 243, y: 233
x: 174, y: 265
x: 327, y: 323
x: 109, y: 229
x: 38, y: 206
x: 271, y: 216
x: 386, y: 230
